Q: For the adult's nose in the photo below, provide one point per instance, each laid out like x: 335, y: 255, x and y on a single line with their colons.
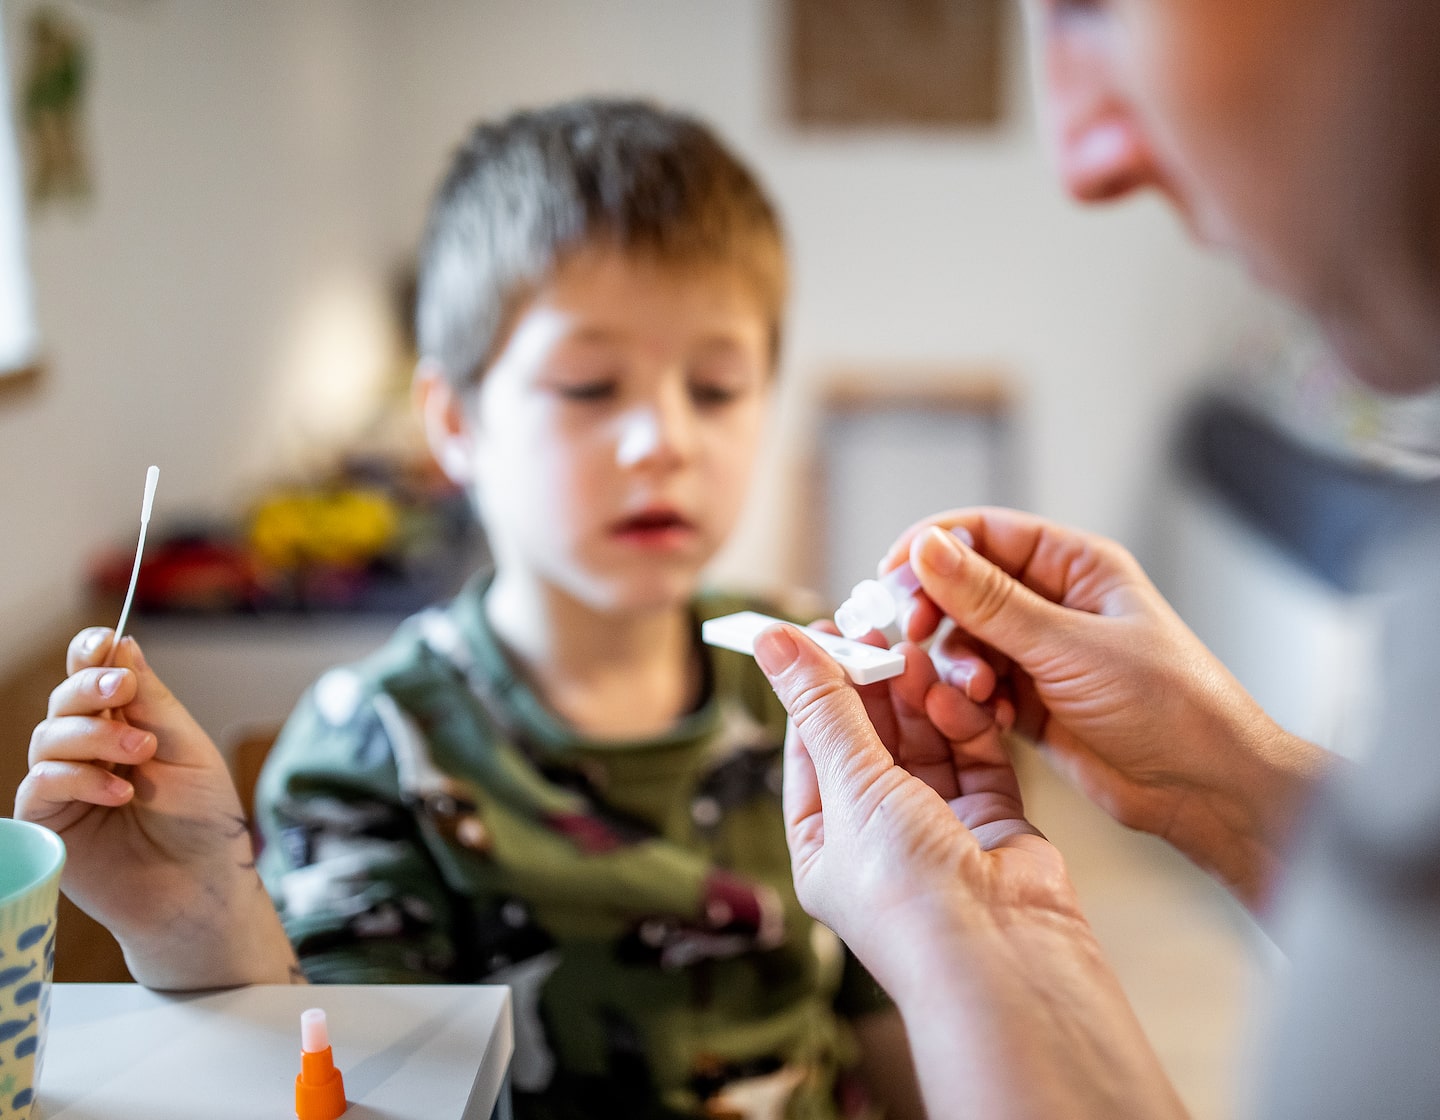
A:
x: 1105, y: 158
x: 1102, y: 150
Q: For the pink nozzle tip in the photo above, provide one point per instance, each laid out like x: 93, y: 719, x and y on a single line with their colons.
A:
x: 314, y: 1034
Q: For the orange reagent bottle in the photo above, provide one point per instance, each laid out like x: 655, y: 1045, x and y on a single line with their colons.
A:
x: 319, y: 1088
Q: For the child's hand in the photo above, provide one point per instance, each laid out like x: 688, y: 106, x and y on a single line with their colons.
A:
x: 158, y: 847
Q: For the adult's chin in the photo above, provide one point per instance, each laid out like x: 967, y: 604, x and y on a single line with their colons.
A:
x: 1400, y: 367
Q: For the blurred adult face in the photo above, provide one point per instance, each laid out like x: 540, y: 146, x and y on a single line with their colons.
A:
x: 1303, y: 134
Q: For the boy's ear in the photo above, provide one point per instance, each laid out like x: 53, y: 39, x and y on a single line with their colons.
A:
x: 442, y: 412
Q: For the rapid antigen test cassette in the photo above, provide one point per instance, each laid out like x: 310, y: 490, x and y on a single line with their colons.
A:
x: 862, y: 663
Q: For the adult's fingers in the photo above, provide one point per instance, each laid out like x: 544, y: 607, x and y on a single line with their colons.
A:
x: 987, y: 602
x: 828, y: 715
x: 960, y: 662
x: 975, y: 728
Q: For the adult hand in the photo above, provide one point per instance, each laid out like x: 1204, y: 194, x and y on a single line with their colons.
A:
x: 886, y: 814
x: 912, y: 845
x: 158, y: 849
x: 1113, y: 687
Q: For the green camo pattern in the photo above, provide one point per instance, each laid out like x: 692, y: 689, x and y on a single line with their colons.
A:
x: 425, y: 818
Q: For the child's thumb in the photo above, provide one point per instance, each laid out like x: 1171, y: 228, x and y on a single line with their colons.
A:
x: 155, y: 708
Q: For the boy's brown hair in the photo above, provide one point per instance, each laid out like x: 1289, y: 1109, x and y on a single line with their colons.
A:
x: 523, y: 192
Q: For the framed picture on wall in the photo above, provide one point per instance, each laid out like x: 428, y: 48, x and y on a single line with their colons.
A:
x: 895, y: 63
x: 892, y: 447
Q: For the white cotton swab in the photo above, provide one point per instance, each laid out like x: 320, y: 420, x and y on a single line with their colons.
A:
x: 152, y: 476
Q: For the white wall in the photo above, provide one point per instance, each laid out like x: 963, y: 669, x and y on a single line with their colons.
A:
x: 261, y: 167
x: 230, y: 157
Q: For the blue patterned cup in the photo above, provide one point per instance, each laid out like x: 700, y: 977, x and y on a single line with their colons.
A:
x: 30, y: 861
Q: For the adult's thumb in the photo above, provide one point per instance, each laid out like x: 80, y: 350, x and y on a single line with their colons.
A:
x: 986, y: 601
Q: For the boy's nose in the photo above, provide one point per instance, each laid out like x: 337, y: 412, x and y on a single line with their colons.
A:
x: 657, y: 432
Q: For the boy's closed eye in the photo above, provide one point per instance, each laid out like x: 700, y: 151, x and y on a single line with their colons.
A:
x: 714, y: 392
x: 721, y: 378
x: 587, y: 389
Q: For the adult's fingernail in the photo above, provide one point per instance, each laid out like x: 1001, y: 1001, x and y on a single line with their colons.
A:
x: 961, y: 677
x: 133, y: 741
x: 775, y: 649
x: 940, y: 551
x: 109, y: 682
x: 1005, y: 715
x: 92, y: 642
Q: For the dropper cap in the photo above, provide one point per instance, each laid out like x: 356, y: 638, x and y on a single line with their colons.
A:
x: 869, y: 607
x: 319, y: 1088
x: 874, y: 604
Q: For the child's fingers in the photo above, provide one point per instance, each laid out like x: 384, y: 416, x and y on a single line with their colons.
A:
x: 89, y: 647
x: 91, y: 691
x: 52, y: 788
x: 158, y: 709
x: 90, y: 739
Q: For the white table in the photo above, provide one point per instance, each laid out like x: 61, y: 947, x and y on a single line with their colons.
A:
x: 422, y: 1052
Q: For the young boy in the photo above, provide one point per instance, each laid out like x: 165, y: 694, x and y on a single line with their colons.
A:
x: 548, y: 783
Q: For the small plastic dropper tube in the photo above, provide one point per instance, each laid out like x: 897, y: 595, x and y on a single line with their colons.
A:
x: 319, y: 1088
x: 875, y: 604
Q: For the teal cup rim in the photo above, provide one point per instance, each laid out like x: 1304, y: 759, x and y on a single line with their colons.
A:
x: 43, y: 838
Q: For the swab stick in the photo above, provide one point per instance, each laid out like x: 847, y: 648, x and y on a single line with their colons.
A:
x: 152, y: 476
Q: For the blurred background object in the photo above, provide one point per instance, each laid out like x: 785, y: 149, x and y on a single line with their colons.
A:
x: 893, y: 446
x: 54, y: 99
x: 242, y: 608
x: 938, y: 63
x: 1291, y: 492
x: 18, y: 341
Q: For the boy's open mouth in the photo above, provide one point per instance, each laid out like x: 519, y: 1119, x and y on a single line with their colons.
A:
x: 655, y: 527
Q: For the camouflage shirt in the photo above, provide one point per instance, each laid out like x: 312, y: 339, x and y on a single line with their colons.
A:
x: 425, y: 818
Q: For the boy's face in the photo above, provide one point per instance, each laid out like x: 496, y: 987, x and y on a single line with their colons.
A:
x: 609, y: 446
x: 1297, y: 132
